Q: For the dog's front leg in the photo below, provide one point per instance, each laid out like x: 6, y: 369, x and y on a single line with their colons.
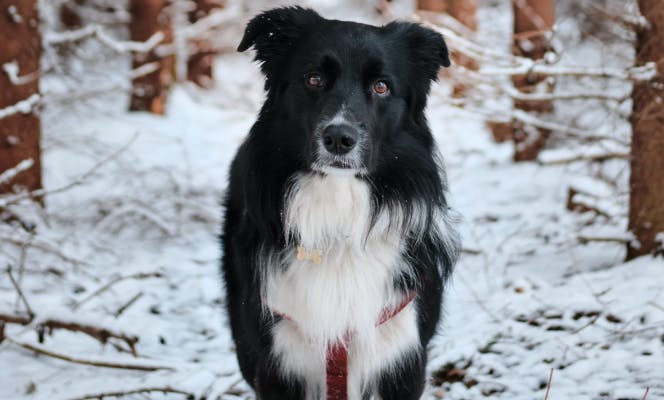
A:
x: 272, y: 385
x: 406, y: 380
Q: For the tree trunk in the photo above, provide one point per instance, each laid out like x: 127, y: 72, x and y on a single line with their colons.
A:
x: 199, y: 65
x: 646, y: 213
x: 20, y: 49
x: 150, y: 91
x: 533, y: 22
x: 432, y: 5
x: 464, y: 11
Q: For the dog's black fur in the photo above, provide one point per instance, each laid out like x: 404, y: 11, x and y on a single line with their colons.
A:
x: 399, y: 163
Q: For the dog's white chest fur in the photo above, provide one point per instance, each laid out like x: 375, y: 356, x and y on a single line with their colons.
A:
x: 344, y: 291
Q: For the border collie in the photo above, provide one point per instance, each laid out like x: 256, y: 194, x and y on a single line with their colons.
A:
x: 337, y: 236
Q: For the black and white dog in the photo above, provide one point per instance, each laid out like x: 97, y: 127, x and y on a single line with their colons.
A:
x: 337, y: 237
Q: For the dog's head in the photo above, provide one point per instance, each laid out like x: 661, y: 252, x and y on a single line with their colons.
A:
x: 351, y: 89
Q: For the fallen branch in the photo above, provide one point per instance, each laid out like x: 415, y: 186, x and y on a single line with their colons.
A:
x: 145, y: 390
x: 82, y: 361
x: 15, y: 319
x: 108, y: 285
x: 590, y: 239
x: 548, y: 385
x: 47, y: 326
x: 645, y: 395
x: 591, y: 158
x: 128, y: 304
x: 40, y: 245
x: 101, y: 334
x: 20, y: 292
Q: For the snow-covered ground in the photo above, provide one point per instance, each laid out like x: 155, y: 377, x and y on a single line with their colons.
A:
x: 528, y: 296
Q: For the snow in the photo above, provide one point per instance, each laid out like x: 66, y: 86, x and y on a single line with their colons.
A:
x: 527, y: 295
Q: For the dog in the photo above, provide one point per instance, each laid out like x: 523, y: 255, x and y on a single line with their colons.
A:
x: 337, y: 236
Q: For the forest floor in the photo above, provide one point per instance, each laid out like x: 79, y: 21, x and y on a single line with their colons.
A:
x: 133, y: 247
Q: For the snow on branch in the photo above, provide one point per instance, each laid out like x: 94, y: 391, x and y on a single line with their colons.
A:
x: 12, y: 71
x: 48, y: 325
x: 515, y: 94
x: 215, y: 19
x: 135, y: 364
x: 96, y: 31
x: 503, y: 64
x: 11, y: 173
x: 22, y: 107
x: 39, y: 244
x: 636, y: 74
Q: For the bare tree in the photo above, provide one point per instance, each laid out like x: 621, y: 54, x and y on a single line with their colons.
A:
x: 20, y: 129
x: 464, y: 11
x: 148, y: 17
x: 646, y: 216
x: 533, y: 22
x: 199, y: 64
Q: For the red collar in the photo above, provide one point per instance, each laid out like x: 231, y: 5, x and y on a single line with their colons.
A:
x: 336, y: 358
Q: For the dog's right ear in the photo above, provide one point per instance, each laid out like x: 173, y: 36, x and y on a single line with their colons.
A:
x: 273, y: 32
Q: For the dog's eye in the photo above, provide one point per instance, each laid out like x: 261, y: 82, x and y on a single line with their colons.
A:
x: 381, y: 88
x: 314, y: 80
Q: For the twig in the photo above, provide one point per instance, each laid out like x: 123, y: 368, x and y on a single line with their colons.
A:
x: 589, y: 239
x: 657, y: 306
x: 592, y: 158
x: 15, y: 319
x: 472, y: 252
x: 108, y: 285
x: 516, y: 65
x: 99, y: 333
x: 548, y: 385
x: 40, y: 245
x: 96, y: 31
x: 76, y: 182
x: 24, y: 106
x: 123, y: 393
x: 11, y: 69
x: 20, y: 292
x: 94, y: 363
x: 645, y: 395
x: 128, y: 304
x: 9, y: 174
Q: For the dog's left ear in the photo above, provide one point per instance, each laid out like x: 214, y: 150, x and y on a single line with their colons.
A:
x: 428, y: 51
x: 273, y: 34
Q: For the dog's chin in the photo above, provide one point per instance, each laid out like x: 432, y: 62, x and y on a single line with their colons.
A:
x: 338, y: 169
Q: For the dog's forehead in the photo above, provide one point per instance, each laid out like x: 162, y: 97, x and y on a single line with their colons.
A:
x: 346, y: 38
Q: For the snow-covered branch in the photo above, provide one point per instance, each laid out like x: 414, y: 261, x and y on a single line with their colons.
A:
x: 96, y: 31
x: 504, y: 64
x: 11, y: 173
x: 134, y: 364
x: 12, y: 71
x: 22, y: 107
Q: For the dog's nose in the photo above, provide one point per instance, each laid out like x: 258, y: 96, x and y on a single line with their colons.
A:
x: 339, y: 139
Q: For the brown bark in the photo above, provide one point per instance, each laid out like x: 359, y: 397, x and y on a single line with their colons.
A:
x: 20, y: 133
x: 464, y: 11
x: 199, y: 64
x: 432, y: 5
x: 533, y: 21
x: 646, y: 214
x: 150, y: 91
